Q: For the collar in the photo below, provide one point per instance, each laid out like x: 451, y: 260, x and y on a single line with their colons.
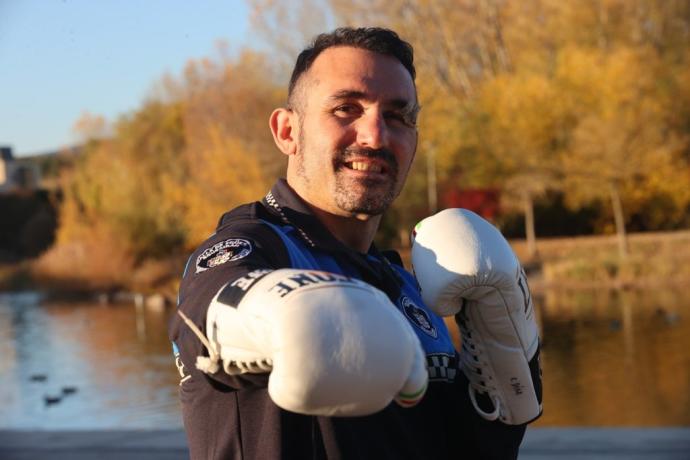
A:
x: 285, y: 203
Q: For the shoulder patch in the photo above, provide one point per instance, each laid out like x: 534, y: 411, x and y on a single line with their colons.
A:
x: 220, y: 253
x: 417, y: 316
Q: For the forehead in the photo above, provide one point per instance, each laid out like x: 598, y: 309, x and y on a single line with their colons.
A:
x: 343, y: 68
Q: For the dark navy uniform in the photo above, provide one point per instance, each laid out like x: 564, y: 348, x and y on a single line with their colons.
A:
x: 233, y: 417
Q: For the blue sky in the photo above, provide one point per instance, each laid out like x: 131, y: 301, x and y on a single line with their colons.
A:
x: 59, y: 58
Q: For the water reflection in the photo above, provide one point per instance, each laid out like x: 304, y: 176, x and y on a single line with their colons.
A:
x: 616, y: 358
x: 610, y: 359
x: 121, y: 373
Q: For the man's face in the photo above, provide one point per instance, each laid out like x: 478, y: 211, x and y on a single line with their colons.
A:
x: 356, y: 136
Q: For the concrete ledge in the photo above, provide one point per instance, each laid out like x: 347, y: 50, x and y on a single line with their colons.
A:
x: 606, y: 443
x: 86, y: 445
x: 539, y: 443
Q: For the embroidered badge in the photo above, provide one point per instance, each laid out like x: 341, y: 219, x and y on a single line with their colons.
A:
x: 417, y: 316
x: 220, y: 253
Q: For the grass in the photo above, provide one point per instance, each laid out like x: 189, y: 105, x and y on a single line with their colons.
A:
x: 658, y: 258
x: 654, y: 259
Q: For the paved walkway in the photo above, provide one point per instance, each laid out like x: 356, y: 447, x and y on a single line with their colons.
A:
x: 540, y: 443
x: 606, y: 443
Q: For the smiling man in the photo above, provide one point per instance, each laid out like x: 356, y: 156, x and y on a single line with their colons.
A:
x: 296, y: 337
x: 350, y: 134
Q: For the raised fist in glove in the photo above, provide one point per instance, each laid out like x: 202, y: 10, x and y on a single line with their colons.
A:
x: 333, y: 345
x: 466, y: 268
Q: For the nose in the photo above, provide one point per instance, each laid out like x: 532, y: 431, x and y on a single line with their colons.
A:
x: 372, y: 131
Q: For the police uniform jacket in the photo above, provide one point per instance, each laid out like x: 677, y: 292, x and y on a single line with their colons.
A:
x: 233, y: 417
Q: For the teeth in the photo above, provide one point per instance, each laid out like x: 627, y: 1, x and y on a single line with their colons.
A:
x: 362, y: 166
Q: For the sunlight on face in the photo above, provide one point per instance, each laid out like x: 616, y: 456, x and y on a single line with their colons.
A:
x: 357, y: 133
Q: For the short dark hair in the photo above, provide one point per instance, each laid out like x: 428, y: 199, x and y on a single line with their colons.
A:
x: 375, y: 39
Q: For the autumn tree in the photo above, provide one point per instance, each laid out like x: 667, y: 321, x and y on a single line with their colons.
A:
x: 230, y: 156
x: 518, y: 137
x: 157, y: 181
x: 119, y: 182
x: 286, y: 27
x: 622, y: 139
x: 485, y: 67
x: 587, y: 97
x: 113, y: 216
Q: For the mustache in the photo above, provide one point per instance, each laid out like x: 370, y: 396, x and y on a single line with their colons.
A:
x: 344, y: 155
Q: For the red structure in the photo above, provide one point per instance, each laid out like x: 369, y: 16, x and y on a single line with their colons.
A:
x: 483, y: 201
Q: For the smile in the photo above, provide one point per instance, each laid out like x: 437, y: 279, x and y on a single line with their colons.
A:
x: 365, y: 166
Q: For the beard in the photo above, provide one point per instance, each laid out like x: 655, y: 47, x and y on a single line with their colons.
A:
x: 370, y: 196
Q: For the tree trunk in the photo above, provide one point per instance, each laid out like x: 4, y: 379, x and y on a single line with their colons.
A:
x: 603, y: 24
x: 620, y: 222
x: 530, y: 233
x: 431, y: 180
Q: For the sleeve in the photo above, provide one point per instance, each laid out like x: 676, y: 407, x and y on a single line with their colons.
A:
x: 228, y: 255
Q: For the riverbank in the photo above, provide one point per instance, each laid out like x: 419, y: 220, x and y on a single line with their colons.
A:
x: 586, y: 262
x: 654, y: 259
x: 153, y: 284
x: 540, y: 443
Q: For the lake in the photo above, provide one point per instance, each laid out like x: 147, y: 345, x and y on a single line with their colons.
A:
x: 610, y: 358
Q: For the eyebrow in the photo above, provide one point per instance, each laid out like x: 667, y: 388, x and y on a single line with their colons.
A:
x: 354, y: 94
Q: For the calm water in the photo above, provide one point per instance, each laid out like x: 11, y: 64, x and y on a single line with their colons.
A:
x: 616, y: 358
x: 119, y: 362
x: 609, y: 359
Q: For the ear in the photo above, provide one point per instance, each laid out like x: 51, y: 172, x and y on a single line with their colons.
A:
x: 284, y: 126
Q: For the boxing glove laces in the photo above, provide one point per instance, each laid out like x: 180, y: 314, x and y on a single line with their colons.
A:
x: 466, y: 268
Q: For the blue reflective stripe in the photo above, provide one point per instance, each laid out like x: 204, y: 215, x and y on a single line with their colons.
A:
x: 186, y: 266
x: 327, y: 262
x: 309, y: 258
x: 299, y: 258
x: 302, y: 256
x: 176, y: 351
x: 184, y: 273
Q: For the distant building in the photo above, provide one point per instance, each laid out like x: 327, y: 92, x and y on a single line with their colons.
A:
x: 14, y: 176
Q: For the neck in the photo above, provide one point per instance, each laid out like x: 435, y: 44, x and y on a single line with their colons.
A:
x: 355, y: 232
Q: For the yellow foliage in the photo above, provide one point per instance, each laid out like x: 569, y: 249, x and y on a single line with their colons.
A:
x: 525, y: 96
x: 158, y: 185
x: 222, y: 175
x: 621, y: 136
x: 522, y: 122
x: 547, y: 94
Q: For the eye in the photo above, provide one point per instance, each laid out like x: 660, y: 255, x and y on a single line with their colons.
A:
x: 347, y: 110
x: 403, y: 117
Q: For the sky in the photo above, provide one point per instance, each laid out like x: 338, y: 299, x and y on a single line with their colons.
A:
x: 59, y: 58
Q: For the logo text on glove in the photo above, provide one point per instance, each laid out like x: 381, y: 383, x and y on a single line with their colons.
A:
x: 516, y: 385
x: 289, y: 284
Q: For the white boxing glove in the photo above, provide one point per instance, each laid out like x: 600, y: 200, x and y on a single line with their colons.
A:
x: 333, y: 345
x: 466, y: 268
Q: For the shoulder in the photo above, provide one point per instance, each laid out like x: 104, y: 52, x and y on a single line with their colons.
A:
x: 242, y: 243
x: 248, y: 212
x: 242, y: 236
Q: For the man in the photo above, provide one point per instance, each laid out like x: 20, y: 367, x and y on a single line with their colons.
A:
x: 350, y: 135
